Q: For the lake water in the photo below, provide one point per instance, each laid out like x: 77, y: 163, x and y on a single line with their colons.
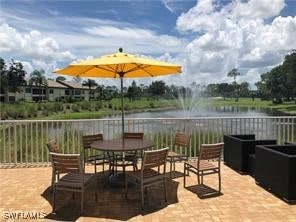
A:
x: 226, y: 111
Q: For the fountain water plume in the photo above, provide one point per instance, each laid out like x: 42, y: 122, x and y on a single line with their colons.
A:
x: 189, y: 100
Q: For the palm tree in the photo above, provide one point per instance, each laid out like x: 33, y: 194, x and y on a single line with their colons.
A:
x: 234, y: 73
x: 90, y: 83
x: 38, y: 79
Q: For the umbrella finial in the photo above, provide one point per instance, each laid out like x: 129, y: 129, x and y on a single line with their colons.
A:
x: 120, y: 49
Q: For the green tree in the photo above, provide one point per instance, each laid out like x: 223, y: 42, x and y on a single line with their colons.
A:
x: 133, y: 91
x: 233, y: 74
x: 157, y: 88
x: 90, y: 83
x: 289, y: 70
x: 244, y: 88
x: 223, y: 89
x: 279, y: 83
x: 262, y: 91
x: 212, y: 90
x: 38, y: 79
x: 12, y: 78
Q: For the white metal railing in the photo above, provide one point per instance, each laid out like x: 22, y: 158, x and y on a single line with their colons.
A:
x: 23, y: 141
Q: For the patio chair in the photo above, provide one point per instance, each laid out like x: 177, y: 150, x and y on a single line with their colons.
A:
x: 132, y: 156
x: 98, y: 159
x: 130, y: 159
x: 182, y: 141
x: 74, y: 179
x: 207, y: 163
x: 147, y: 176
x: 53, y: 147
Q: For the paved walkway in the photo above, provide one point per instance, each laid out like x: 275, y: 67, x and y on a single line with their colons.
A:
x: 25, y: 191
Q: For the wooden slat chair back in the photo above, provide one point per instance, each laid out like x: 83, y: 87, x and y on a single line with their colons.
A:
x: 89, y: 139
x: 53, y: 147
x: 154, y: 159
x: 99, y: 159
x: 66, y: 163
x: 74, y: 179
x: 131, y: 156
x: 211, y: 152
x: 209, y: 162
x: 182, y: 142
x: 128, y: 135
x: 182, y: 139
x: 148, y: 175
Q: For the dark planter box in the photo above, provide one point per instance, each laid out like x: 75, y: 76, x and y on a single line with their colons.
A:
x: 276, y: 170
x: 237, y: 151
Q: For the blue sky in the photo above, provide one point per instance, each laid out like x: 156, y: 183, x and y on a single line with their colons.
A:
x: 207, y: 37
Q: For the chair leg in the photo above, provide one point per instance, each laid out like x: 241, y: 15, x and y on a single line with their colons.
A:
x: 82, y: 200
x: 52, y: 180
x: 96, y: 194
x: 219, y: 177
x: 198, y: 179
x: 202, y: 177
x: 165, y: 189
x: 174, y: 165
x: 184, y: 177
x: 95, y: 166
x: 142, y: 196
x: 171, y: 167
x: 125, y: 186
x: 53, y: 197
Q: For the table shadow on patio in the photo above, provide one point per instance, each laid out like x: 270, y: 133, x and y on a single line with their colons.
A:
x: 111, y: 203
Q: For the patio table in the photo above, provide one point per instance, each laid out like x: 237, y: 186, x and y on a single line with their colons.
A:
x: 120, y: 145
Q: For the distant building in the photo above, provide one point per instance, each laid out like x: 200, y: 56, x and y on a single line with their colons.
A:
x: 54, y: 91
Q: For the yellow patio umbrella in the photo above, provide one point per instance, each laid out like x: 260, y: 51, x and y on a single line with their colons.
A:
x: 120, y: 65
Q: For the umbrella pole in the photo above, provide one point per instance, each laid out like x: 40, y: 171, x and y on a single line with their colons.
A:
x: 122, y: 111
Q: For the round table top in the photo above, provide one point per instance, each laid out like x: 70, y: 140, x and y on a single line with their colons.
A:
x: 118, y: 145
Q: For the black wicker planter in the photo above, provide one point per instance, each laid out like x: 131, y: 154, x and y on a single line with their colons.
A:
x: 237, y: 151
x: 276, y: 170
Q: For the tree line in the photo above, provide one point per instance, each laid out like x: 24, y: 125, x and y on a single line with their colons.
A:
x: 278, y: 85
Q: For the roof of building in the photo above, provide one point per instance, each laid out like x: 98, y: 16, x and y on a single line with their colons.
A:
x: 54, y: 84
x: 75, y: 85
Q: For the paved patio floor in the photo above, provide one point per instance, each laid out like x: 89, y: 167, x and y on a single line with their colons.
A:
x: 26, y: 190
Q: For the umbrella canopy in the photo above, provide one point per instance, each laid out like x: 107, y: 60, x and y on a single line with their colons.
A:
x: 120, y: 65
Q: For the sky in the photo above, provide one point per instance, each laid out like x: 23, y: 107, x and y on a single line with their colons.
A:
x: 207, y: 37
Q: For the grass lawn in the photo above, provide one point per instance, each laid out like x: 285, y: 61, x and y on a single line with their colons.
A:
x: 287, y: 107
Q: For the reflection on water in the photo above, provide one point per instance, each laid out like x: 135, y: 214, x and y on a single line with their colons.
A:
x: 226, y: 111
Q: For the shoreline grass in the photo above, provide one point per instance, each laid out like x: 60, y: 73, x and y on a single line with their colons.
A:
x: 100, y: 109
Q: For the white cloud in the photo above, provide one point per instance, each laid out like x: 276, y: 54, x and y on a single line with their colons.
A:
x: 235, y: 35
x: 254, y: 9
x: 30, y: 44
x: 214, y: 38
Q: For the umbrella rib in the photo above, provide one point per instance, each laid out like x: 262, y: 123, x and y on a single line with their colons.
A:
x: 145, y: 70
x: 140, y: 67
x: 116, y: 70
x: 108, y: 70
x: 79, y: 74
